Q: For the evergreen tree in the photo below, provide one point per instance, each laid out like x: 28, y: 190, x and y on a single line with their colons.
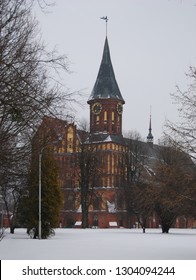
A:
x: 51, y: 196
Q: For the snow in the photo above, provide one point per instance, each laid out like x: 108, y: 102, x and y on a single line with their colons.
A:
x: 100, y: 244
x: 113, y: 224
x: 78, y: 223
x: 111, y: 207
x: 108, y: 139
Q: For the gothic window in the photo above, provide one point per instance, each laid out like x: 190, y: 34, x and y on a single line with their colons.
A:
x: 70, y: 136
x: 112, y: 164
x: 105, y: 116
x: 108, y: 163
x: 97, y: 119
x: 108, y: 182
x: 69, y: 202
x: 112, y: 117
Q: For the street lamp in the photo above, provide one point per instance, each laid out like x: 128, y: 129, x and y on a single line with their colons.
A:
x: 40, y: 195
x: 1, y: 204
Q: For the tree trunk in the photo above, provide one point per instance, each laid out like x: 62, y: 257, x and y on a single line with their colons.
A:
x: 84, y: 215
x: 165, y: 229
x: 12, y: 228
x: 166, y: 218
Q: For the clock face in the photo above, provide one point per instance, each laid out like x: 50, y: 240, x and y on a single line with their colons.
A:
x: 96, y: 108
x: 119, y: 108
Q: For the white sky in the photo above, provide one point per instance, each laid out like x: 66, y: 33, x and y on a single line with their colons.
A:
x: 152, y: 44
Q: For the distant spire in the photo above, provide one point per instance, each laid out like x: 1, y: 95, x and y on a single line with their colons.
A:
x: 106, y: 23
x: 150, y: 137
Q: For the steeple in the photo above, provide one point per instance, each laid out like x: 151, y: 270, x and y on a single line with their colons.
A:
x: 150, y: 137
x: 106, y: 102
x: 106, y: 86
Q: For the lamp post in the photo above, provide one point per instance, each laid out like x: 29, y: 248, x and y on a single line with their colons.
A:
x: 1, y: 204
x: 40, y: 195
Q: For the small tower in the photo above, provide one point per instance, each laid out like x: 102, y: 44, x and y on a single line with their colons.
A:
x: 150, y: 137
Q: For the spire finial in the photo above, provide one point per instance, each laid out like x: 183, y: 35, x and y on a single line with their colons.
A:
x: 150, y: 126
x: 106, y: 22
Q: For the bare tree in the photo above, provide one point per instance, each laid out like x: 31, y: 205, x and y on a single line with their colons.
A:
x: 173, y: 181
x: 28, y: 90
x: 30, y: 86
x: 184, y: 132
x: 13, y: 184
x: 89, y: 164
x: 137, y: 194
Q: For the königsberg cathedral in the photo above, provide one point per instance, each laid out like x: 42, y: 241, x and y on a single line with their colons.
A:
x: 101, y: 161
x: 105, y: 180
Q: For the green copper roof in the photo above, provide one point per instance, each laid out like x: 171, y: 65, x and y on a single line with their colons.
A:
x: 106, y: 86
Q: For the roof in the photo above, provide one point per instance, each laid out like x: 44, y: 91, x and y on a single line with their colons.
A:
x: 104, y: 138
x: 106, y: 86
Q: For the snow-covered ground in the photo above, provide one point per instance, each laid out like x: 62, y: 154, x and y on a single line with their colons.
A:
x: 100, y: 244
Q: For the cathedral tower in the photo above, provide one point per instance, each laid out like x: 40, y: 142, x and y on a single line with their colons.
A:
x: 106, y: 109
x: 106, y: 102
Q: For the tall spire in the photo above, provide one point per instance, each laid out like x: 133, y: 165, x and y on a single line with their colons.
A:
x: 106, y: 86
x: 150, y: 137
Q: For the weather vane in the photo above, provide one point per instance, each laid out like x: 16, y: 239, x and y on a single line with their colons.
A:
x: 106, y: 21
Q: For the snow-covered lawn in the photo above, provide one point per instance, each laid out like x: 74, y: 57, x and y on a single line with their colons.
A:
x: 100, y: 244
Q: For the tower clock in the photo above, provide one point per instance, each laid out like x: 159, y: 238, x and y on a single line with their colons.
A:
x: 96, y: 108
x: 119, y: 108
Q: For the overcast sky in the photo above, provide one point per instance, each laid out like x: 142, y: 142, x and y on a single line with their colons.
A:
x: 152, y: 44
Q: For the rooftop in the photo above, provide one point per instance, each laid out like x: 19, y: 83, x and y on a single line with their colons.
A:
x: 106, y: 86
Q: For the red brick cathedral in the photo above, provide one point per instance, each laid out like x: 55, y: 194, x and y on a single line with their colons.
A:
x: 106, y: 205
x: 98, y: 158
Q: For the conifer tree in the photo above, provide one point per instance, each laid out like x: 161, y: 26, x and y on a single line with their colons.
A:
x: 51, y: 196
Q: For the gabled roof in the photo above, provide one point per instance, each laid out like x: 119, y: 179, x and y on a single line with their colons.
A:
x: 106, y: 86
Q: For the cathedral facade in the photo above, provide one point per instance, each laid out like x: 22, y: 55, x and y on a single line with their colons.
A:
x: 105, y: 139
x: 97, y: 159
